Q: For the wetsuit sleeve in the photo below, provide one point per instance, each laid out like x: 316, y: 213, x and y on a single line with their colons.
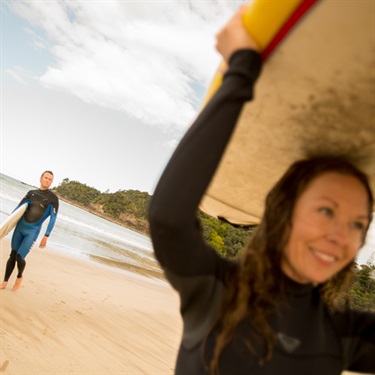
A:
x: 357, y: 330
x: 54, y: 207
x: 175, y: 233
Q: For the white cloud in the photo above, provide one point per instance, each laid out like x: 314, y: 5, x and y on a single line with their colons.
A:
x: 39, y: 42
x: 139, y: 57
x: 17, y: 74
x: 171, y: 144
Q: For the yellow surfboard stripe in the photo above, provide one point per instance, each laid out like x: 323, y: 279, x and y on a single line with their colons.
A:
x: 262, y: 20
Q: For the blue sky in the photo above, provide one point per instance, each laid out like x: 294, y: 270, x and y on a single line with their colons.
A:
x: 17, y: 46
x: 101, y: 91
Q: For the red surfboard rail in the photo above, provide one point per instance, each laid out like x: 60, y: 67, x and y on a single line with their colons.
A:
x: 301, y: 10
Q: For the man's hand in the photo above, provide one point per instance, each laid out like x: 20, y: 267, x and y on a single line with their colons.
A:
x: 43, y: 242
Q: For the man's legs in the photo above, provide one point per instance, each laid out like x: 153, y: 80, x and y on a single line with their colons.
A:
x: 31, y: 233
x: 22, y: 240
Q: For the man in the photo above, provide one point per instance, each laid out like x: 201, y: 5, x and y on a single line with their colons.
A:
x: 42, y: 203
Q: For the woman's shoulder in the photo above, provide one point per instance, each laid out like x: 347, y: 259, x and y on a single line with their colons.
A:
x: 354, y: 322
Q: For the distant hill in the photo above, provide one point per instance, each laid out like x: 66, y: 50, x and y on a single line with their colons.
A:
x: 126, y: 207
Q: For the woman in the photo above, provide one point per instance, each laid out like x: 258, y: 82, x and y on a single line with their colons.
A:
x: 274, y: 310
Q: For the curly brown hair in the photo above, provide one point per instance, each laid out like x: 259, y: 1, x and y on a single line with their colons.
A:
x: 257, y: 281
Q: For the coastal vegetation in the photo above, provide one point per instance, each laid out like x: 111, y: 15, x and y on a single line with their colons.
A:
x: 363, y: 288
x: 125, y: 207
x: 129, y: 208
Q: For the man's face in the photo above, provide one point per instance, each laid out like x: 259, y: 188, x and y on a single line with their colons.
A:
x: 46, y: 181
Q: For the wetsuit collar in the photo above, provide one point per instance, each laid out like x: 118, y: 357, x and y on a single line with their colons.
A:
x: 297, y: 289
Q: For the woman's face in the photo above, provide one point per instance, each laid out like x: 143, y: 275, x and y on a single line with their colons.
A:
x: 328, y: 225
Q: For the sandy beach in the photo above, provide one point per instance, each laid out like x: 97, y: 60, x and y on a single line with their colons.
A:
x: 75, y: 316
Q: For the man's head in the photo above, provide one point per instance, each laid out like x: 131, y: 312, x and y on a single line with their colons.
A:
x: 46, y: 180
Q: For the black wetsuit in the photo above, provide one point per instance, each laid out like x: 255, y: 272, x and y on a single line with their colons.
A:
x: 310, y: 339
x: 41, y: 205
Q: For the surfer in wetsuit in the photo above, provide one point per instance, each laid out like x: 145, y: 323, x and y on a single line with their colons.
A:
x: 275, y: 310
x: 42, y: 203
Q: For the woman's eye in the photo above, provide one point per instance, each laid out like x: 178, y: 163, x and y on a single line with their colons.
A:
x: 326, y: 211
x: 358, y: 225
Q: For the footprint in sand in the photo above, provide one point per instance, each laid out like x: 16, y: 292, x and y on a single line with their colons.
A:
x: 4, y: 366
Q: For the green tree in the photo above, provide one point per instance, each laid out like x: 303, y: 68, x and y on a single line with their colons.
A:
x: 229, y: 240
x: 363, y: 290
x: 75, y: 191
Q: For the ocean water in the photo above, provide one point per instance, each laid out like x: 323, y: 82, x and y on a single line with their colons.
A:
x: 81, y: 233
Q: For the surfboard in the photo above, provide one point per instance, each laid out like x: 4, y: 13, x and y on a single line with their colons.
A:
x: 315, y: 96
x: 12, y: 220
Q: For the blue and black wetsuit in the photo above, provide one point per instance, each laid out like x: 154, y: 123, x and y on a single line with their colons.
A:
x: 41, y: 205
x: 310, y: 339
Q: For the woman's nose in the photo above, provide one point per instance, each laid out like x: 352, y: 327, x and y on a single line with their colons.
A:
x: 339, y: 232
